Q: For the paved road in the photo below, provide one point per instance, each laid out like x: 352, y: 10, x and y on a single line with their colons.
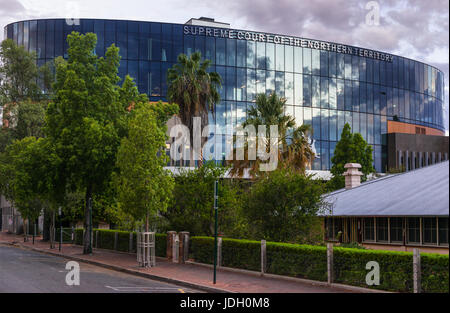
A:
x: 29, y: 271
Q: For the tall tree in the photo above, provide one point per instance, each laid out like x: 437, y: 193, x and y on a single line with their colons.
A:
x: 144, y: 186
x: 194, y: 89
x: 18, y: 73
x: 351, y: 148
x: 30, y: 168
x: 86, y: 119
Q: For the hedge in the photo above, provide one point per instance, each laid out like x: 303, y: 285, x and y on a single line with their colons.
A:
x: 310, y: 262
x: 67, y: 234
x: 106, y: 239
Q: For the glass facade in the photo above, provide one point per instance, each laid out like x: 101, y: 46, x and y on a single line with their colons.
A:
x: 323, y: 88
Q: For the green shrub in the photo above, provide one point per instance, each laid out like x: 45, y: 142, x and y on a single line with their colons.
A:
x: 434, y: 272
x: 105, y: 238
x: 160, y: 245
x: 395, y: 268
x: 79, y: 236
x: 310, y: 262
x: 67, y: 234
x: 201, y: 249
x: 302, y: 261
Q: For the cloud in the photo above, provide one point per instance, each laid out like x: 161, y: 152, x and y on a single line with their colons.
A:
x: 416, y: 29
x: 8, y: 7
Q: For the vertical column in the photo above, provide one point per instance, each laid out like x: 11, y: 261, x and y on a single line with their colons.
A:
x: 413, y: 160
x: 330, y: 262
x: 169, y: 247
x: 420, y: 159
x: 116, y: 237
x: 427, y: 155
x: 130, y: 242
x: 184, y: 247
x: 416, y: 270
x: 399, y: 159
x: 263, y: 257
x: 439, y: 157
x: 219, y: 251
x: 407, y: 168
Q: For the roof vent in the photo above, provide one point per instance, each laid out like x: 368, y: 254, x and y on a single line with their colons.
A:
x: 352, y: 175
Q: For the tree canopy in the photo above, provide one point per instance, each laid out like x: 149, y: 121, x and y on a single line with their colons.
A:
x: 194, y: 88
x: 283, y: 204
x: 86, y: 119
x: 144, y: 186
x: 351, y: 148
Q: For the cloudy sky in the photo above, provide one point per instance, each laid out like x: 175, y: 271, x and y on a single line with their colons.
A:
x: 416, y: 29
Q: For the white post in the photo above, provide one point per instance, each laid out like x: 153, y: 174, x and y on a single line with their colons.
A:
x: 263, y: 257
x: 219, y: 251
x: 130, y: 243
x: 330, y: 262
x: 175, y: 248
x: 116, y: 235
x: 416, y: 270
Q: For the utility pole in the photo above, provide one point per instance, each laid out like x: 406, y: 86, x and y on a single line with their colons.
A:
x: 216, y: 198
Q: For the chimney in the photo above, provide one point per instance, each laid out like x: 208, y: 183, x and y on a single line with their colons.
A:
x: 352, y: 175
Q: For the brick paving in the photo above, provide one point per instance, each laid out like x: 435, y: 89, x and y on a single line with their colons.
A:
x: 191, y: 275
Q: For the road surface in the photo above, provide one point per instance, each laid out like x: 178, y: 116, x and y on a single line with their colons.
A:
x: 29, y: 271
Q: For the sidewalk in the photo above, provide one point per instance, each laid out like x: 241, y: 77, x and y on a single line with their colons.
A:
x: 189, y: 275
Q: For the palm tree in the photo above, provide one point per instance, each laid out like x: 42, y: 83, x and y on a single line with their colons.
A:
x: 293, y: 146
x: 194, y: 89
x: 299, y: 154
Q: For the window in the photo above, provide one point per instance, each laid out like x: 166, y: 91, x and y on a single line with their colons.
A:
x: 413, y: 230
x: 279, y: 54
x: 382, y: 229
x: 220, y: 51
x: 251, y: 54
x: 443, y: 230
x: 429, y: 230
x: 396, y: 226
x: 369, y: 229
x: 231, y: 52
x: 333, y: 225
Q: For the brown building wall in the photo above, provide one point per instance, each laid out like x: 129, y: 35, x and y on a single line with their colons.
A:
x: 405, y: 128
x: 415, y: 149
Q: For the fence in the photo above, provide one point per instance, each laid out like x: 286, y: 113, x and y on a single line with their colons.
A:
x: 332, y: 265
x: 399, y: 271
x: 123, y: 241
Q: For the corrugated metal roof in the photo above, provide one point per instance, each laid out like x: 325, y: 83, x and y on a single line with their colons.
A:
x: 422, y: 192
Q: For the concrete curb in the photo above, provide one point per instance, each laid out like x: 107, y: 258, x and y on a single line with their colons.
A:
x: 123, y: 269
x: 293, y: 279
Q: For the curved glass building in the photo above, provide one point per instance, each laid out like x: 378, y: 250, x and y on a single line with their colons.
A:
x: 326, y: 84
